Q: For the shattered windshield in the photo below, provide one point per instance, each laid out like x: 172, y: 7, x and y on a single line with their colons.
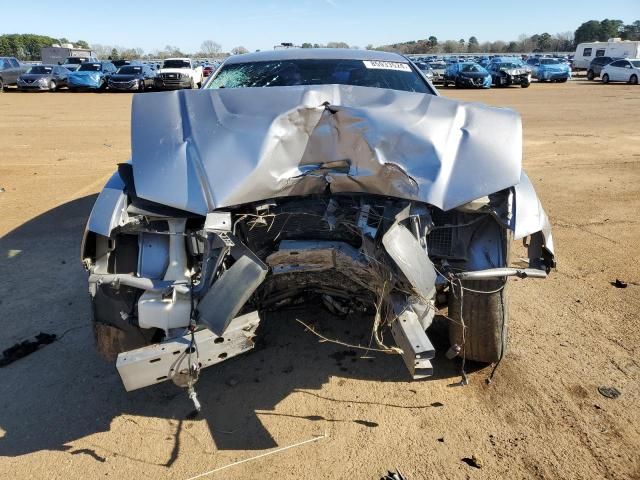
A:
x: 506, y: 65
x: 279, y: 73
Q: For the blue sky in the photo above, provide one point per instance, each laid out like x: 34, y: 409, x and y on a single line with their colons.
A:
x: 261, y: 24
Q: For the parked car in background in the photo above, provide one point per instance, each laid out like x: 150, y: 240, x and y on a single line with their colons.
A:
x: 549, y: 69
x: 425, y: 69
x: 438, y: 68
x: 43, y: 77
x: 207, y: 70
x: 467, y: 74
x: 10, y: 70
x: 624, y: 70
x: 132, y: 77
x: 596, y: 65
x: 178, y: 73
x: 91, y: 76
x: 71, y: 67
x: 506, y: 71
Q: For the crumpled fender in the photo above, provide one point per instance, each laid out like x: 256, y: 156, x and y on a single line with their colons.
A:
x: 109, y: 210
x: 530, y: 219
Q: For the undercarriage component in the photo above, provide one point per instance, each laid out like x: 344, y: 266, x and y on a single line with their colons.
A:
x: 495, y: 273
x: 409, y: 334
x: 170, y: 359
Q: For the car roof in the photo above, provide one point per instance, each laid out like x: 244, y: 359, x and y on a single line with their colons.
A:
x: 315, y: 53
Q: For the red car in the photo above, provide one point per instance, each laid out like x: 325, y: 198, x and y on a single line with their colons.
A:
x: 206, y: 71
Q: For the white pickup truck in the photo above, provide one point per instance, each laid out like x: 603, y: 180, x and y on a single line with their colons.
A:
x: 178, y: 73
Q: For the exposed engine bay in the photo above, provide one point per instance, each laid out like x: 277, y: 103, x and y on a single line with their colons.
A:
x: 183, y: 284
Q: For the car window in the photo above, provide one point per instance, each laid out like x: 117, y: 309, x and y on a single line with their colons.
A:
x: 586, y: 52
x: 549, y: 61
x: 40, y: 70
x: 14, y: 63
x: 619, y: 63
x: 600, y: 53
x: 367, y: 73
x: 176, y: 64
x: 130, y: 69
x: 90, y: 67
x: 635, y: 63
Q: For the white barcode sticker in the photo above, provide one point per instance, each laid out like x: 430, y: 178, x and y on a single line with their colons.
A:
x: 380, y: 65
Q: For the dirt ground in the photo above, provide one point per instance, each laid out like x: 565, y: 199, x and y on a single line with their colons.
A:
x: 64, y: 413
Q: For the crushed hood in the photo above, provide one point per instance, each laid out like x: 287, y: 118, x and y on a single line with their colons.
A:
x: 206, y: 149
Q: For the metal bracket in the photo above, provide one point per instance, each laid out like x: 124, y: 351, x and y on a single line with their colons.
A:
x: 162, y: 361
x: 412, y: 339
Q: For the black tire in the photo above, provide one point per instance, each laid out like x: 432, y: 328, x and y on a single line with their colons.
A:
x: 633, y: 80
x: 141, y: 86
x: 590, y: 75
x: 485, y: 315
x: 563, y: 80
x: 445, y: 84
x: 605, y: 78
x: 525, y: 84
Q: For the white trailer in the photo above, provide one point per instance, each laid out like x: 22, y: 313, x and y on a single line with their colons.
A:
x: 615, y: 47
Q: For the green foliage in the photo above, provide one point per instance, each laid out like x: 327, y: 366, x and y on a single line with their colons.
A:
x: 24, y: 46
x: 595, y: 31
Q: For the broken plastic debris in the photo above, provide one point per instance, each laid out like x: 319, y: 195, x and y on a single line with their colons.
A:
x: 27, y: 347
x: 619, y: 283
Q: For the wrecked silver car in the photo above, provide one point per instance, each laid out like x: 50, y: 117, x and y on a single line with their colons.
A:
x: 348, y: 179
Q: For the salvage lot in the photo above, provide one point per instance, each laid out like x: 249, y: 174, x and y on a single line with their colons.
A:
x: 64, y: 413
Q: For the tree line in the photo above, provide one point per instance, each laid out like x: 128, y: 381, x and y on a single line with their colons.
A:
x: 26, y: 46
x: 591, y: 31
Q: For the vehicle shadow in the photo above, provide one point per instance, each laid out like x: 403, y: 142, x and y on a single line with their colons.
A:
x: 65, y: 391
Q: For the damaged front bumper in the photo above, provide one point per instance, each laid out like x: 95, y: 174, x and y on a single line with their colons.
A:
x: 181, y: 276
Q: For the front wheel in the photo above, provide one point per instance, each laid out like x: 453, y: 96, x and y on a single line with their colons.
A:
x: 605, y: 78
x: 590, y: 75
x: 480, y: 319
x: 1, y: 85
x: 525, y: 84
x: 52, y: 86
x: 633, y: 80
